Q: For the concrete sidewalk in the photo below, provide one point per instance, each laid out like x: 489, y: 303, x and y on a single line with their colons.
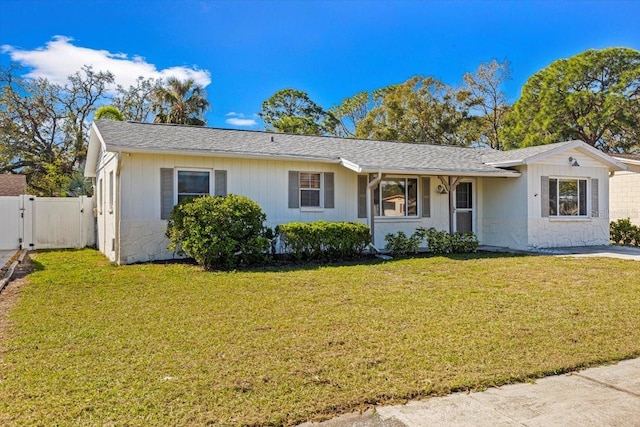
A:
x: 603, y: 396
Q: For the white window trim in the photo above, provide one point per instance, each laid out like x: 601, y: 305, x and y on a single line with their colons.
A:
x: 588, y: 190
x: 175, y: 180
x: 321, y: 190
x: 417, y: 216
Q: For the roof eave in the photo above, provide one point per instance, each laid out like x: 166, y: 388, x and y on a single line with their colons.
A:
x: 441, y: 172
x: 227, y: 154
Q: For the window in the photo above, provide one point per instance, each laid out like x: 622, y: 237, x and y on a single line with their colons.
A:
x: 567, y: 197
x: 399, y: 197
x: 309, y: 190
x: 315, y: 190
x: 111, y: 190
x: 193, y: 183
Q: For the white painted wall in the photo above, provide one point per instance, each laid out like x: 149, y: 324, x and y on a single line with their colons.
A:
x: 624, y: 194
x: 105, y: 214
x: 557, y: 232
x: 264, y: 181
x: 503, y: 217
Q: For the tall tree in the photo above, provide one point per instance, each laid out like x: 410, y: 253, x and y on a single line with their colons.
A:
x: 346, y: 116
x: 422, y: 109
x: 489, y: 104
x: 593, y: 96
x: 180, y: 102
x: 44, y: 125
x: 292, y: 111
x: 136, y: 102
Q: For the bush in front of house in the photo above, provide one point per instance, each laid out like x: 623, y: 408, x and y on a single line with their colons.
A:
x: 438, y: 242
x: 623, y: 232
x: 323, y: 240
x: 219, y: 232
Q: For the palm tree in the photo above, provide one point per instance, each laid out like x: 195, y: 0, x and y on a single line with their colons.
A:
x: 180, y: 102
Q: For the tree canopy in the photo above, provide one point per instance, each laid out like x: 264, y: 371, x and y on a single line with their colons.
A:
x: 108, y: 112
x: 44, y: 126
x: 489, y: 106
x: 422, y: 109
x: 593, y: 96
x: 180, y: 102
x: 292, y: 111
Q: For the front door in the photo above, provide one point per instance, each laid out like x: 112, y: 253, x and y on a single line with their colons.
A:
x: 464, y: 207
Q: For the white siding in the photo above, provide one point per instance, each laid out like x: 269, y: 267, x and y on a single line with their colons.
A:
x: 557, y: 232
x: 105, y: 216
x: 624, y: 195
x: 503, y: 219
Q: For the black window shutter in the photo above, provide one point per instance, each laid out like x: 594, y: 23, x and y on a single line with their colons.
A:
x: 294, y: 189
x: 362, y: 196
x: 426, y: 197
x: 166, y: 192
x: 544, y: 195
x: 595, y: 208
x: 329, y: 190
x: 220, y: 184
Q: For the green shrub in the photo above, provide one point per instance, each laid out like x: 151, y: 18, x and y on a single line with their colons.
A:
x: 323, y: 239
x: 624, y: 232
x: 464, y: 242
x: 219, y: 232
x: 438, y: 242
x: 401, y: 245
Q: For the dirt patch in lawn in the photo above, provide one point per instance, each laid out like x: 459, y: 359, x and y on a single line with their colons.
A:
x: 9, y: 296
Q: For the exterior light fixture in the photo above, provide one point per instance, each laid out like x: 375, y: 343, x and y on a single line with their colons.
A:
x: 573, y: 162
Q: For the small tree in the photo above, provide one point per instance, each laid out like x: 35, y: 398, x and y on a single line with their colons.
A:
x: 219, y: 232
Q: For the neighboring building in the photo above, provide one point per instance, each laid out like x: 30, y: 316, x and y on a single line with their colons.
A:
x: 13, y: 185
x: 539, y: 197
x: 624, y: 190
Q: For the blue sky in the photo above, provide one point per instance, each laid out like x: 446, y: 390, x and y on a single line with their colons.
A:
x: 245, y: 51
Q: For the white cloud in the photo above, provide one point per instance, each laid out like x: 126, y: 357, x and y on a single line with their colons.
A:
x: 60, y: 58
x: 235, y: 121
x: 239, y: 119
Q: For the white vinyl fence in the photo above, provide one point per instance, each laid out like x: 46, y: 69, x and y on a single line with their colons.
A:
x: 30, y: 222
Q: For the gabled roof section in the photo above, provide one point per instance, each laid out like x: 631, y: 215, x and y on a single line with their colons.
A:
x: 529, y: 155
x: 631, y: 159
x: 359, y: 155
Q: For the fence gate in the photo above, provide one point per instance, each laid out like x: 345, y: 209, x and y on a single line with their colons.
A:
x: 31, y: 222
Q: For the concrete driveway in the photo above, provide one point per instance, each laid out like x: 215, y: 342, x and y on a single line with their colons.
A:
x: 612, y: 251
x: 602, y: 396
x: 5, y: 257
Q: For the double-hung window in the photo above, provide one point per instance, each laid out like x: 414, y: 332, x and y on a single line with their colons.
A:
x: 567, y: 197
x: 396, y: 197
x: 310, y: 190
x: 193, y: 183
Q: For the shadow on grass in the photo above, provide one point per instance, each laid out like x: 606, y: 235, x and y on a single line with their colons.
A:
x: 284, y: 264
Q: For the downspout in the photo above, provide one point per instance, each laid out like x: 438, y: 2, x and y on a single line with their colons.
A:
x: 116, y: 208
x: 371, y: 211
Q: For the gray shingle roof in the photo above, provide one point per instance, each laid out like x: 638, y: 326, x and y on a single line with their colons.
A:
x: 368, y: 155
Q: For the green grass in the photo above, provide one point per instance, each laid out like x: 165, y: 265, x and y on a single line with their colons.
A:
x: 93, y: 344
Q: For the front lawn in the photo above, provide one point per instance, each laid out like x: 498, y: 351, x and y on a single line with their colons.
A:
x: 92, y: 344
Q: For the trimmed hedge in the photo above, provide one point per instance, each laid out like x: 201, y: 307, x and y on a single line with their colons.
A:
x: 323, y: 240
